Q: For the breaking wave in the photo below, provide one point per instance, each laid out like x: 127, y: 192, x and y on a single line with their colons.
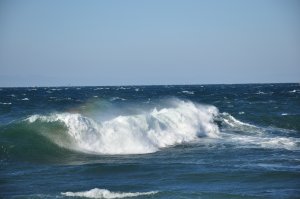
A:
x: 104, y: 193
x: 59, y: 134
x: 135, y: 134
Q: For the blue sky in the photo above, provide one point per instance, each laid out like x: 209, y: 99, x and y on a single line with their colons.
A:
x: 126, y: 42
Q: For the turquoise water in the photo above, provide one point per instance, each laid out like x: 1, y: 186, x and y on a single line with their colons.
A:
x: 197, y: 141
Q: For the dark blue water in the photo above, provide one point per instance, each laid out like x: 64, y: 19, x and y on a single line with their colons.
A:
x: 197, y: 141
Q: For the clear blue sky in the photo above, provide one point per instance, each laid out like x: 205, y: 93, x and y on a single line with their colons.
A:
x: 125, y: 42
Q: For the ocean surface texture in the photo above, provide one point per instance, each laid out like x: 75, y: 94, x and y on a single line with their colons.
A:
x: 198, y: 141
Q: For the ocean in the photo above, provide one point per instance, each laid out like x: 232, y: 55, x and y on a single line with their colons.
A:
x: 172, y: 141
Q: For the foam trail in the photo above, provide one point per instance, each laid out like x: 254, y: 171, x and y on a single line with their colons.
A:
x: 136, y: 134
x: 233, y: 122
x: 251, y: 136
x: 280, y: 142
x: 104, y: 193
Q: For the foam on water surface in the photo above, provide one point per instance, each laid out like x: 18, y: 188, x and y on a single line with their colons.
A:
x: 104, y: 193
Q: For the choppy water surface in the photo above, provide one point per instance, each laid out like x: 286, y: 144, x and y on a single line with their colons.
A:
x: 199, y: 141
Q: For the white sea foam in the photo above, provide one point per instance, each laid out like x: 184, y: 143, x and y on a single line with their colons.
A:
x: 248, y: 141
x: 188, y: 92
x: 25, y: 99
x: 6, y: 103
x: 136, y: 134
x: 233, y: 122
x: 104, y: 193
x: 252, y: 136
x: 293, y: 91
x: 260, y: 93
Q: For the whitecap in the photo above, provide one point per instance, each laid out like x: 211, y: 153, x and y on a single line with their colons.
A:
x: 6, y: 103
x: 233, y: 122
x: 293, y: 91
x: 104, y: 193
x: 25, y: 99
x: 188, y: 92
x: 260, y: 93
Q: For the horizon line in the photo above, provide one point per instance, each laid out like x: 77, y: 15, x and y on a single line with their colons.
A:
x: 193, y: 84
